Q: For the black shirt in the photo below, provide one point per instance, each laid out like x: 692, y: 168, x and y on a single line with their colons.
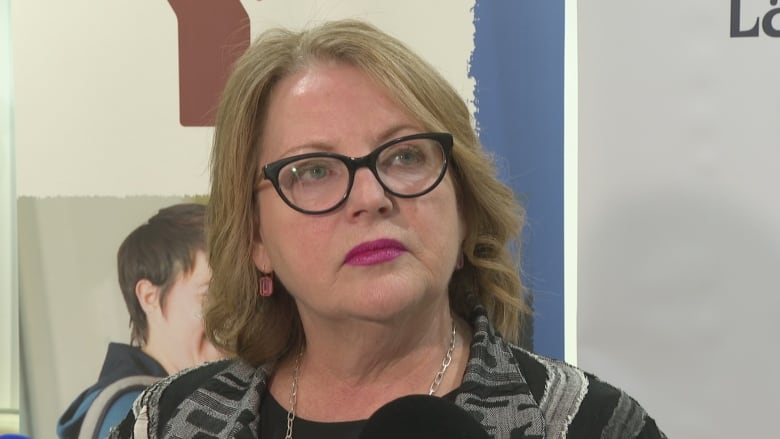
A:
x: 273, y: 421
x: 273, y: 424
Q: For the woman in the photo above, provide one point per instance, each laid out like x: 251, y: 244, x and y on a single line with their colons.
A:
x: 360, y: 248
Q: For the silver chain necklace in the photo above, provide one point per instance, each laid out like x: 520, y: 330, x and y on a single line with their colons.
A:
x: 445, y: 363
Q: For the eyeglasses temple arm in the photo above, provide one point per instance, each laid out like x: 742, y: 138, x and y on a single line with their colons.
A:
x: 260, y: 178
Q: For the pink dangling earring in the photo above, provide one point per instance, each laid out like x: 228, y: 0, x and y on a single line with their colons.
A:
x: 267, y: 284
x: 459, y: 263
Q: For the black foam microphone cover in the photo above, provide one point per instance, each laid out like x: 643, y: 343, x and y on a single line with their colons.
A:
x: 422, y: 416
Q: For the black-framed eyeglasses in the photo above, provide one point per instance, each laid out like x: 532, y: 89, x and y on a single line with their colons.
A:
x: 320, y: 182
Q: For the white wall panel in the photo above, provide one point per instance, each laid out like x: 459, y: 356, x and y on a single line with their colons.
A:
x: 679, y: 236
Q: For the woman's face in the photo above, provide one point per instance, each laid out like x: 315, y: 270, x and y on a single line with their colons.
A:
x: 377, y: 256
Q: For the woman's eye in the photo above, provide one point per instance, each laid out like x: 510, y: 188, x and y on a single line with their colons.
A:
x: 311, y: 172
x: 307, y: 172
x: 407, y: 157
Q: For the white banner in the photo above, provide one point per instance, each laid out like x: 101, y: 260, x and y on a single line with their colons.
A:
x: 678, y: 220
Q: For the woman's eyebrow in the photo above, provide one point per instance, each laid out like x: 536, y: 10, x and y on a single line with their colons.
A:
x: 306, y: 147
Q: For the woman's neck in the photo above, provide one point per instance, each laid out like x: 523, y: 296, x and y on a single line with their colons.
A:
x: 348, y: 377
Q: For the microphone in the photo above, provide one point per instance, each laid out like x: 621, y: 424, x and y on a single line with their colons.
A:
x: 422, y: 416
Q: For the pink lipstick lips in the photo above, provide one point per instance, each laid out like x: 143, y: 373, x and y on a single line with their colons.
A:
x: 374, y: 252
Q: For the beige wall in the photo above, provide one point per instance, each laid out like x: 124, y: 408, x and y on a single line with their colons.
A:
x: 9, y: 346
x: 102, y: 78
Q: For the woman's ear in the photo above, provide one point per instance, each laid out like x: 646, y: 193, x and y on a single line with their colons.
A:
x: 148, y: 295
x: 259, y: 252
x: 260, y: 257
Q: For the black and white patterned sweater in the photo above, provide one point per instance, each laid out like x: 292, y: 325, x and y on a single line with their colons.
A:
x: 513, y: 393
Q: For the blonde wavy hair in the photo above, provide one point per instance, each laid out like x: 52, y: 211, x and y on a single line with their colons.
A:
x: 258, y: 329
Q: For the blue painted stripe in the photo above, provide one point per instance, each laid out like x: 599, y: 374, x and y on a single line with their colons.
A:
x: 518, y: 66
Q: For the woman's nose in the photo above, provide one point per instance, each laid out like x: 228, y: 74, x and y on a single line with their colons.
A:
x: 367, y: 194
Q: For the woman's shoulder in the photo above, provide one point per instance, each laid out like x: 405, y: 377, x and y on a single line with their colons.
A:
x: 219, y: 377
x: 593, y: 406
x: 161, y: 402
x: 606, y: 408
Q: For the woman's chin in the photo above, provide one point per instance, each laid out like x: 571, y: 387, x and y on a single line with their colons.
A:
x: 387, y: 307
